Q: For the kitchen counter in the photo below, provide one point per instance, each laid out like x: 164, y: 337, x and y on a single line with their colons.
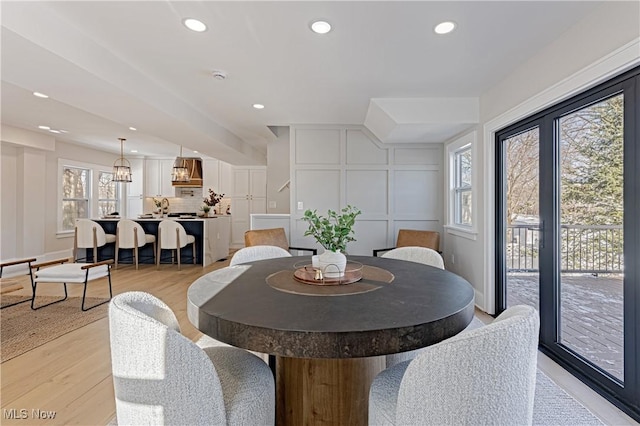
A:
x: 212, y: 239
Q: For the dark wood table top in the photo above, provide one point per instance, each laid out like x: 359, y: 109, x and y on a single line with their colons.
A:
x: 421, y: 306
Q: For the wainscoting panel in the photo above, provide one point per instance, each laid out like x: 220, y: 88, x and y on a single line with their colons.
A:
x: 362, y: 150
x: 395, y: 186
x: 417, y: 194
x: 367, y: 190
x: 317, y: 146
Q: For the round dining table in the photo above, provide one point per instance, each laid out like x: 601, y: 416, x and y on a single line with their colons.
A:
x: 329, y: 340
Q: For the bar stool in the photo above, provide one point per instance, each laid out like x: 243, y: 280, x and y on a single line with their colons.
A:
x: 131, y: 235
x: 172, y: 236
x: 89, y: 234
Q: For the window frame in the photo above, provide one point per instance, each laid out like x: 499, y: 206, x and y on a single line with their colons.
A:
x: 94, y: 173
x: 118, y: 195
x: 466, y: 143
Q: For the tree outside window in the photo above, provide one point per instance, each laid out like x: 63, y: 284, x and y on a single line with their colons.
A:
x: 108, y: 197
x: 75, y: 195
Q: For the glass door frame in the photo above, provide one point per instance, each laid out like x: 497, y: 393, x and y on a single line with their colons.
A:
x: 627, y: 395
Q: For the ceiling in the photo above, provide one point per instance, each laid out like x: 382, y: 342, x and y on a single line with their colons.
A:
x: 110, y: 65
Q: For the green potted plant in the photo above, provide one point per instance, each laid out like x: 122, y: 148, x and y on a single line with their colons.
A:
x: 333, y: 232
x: 205, y: 210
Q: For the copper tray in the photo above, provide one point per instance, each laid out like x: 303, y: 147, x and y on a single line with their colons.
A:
x: 307, y: 275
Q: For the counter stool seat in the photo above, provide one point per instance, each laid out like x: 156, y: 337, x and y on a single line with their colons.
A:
x: 79, y: 273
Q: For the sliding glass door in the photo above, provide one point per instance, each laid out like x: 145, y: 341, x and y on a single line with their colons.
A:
x: 568, y: 220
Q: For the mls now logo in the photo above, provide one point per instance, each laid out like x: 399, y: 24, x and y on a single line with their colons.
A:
x: 23, y: 413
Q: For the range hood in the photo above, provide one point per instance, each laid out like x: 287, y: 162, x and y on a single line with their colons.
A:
x: 194, y: 165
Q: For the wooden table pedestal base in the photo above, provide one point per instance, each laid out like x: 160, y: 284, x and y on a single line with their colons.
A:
x: 324, y: 391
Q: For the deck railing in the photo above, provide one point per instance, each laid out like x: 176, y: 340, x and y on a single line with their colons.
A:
x: 584, y: 248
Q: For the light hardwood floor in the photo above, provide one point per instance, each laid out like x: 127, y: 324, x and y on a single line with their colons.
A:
x: 71, y: 375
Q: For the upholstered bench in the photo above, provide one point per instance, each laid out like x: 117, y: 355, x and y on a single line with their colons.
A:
x: 79, y: 273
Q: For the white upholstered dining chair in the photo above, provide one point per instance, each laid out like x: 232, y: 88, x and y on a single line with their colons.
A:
x: 419, y: 255
x: 254, y: 253
x: 131, y: 235
x: 416, y: 254
x: 161, y: 377
x: 88, y: 234
x: 478, y: 377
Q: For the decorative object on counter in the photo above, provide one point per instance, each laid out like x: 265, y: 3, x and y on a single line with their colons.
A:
x: 333, y: 233
x: 180, y: 172
x: 122, y: 167
x: 158, y: 208
x: 165, y: 206
x: 229, y: 208
x: 213, y: 199
x: 205, y: 211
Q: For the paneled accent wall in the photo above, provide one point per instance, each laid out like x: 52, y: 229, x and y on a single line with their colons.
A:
x: 395, y: 186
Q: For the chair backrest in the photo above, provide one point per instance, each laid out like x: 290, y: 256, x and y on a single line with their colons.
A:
x: 417, y: 254
x: 84, y: 233
x: 159, y: 376
x: 168, y: 238
x: 418, y: 238
x: 482, y: 376
x: 128, y: 232
x: 266, y: 237
x: 251, y: 254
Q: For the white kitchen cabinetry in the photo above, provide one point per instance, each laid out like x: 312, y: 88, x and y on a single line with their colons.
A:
x: 217, y: 175
x: 134, y: 189
x: 210, y: 176
x: 249, y: 196
x: 157, y: 178
x: 217, y: 236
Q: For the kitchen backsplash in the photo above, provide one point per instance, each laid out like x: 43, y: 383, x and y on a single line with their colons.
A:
x: 185, y: 205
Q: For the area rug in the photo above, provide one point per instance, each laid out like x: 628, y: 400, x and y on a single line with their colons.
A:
x: 553, y: 406
x: 23, y: 329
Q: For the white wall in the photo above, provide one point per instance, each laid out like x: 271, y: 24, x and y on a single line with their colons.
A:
x: 29, y: 193
x: 398, y: 186
x: 603, y: 44
x: 278, y: 172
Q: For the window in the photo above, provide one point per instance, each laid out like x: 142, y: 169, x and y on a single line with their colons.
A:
x: 462, y: 186
x: 75, y: 195
x: 108, y: 194
x: 85, y: 191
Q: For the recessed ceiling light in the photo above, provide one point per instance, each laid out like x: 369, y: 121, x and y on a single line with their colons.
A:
x: 194, y: 25
x: 54, y: 131
x: 44, y: 127
x: 134, y: 150
x: 258, y: 106
x: 195, y: 152
x: 320, y: 27
x: 133, y: 128
x: 40, y: 95
x: 445, y: 27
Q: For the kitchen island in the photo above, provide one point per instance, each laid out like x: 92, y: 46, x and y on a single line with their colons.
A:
x: 212, y: 234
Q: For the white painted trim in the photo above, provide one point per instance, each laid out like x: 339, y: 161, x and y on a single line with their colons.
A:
x: 93, y: 189
x: 460, y: 231
x: 470, y: 139
x: 618, y: 61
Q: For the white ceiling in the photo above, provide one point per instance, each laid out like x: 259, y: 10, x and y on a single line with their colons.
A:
x: 114, y: 64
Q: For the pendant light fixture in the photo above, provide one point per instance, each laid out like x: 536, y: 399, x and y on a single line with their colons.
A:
x: 180, y: 171
x: 122, y: 167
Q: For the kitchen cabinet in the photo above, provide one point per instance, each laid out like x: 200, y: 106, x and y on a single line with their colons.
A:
x: 135, y: 189
x: 217, y: 175
x: 157, y: 178
x: 249, y: 196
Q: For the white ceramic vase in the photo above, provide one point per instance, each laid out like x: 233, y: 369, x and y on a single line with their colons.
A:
x: 331, y: 263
